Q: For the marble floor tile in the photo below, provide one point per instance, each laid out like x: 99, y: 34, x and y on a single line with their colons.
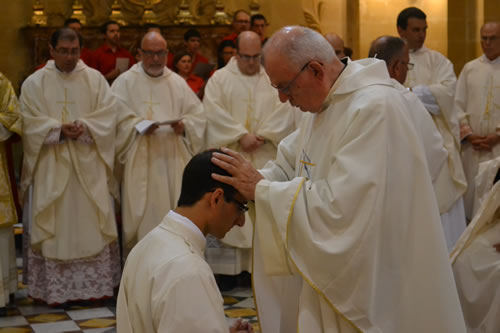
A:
x: 30, y: 310
x: 13, y: 321
x: 239, y: 292
x: 90, y: 313
x: 58, y: 327
x: 247, y: 303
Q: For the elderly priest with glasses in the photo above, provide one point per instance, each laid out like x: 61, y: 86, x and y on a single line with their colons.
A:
x: 345, y: 241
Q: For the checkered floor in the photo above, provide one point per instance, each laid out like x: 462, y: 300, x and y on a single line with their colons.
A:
x: 25, y: 315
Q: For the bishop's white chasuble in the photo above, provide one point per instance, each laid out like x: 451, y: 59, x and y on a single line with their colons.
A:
x: 344, y: 239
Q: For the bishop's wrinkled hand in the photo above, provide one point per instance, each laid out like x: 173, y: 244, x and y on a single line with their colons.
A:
x: 244, y: 176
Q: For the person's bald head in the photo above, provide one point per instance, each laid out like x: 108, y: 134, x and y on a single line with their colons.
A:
x: 394, y: 51
x: 337, y: 43
x: 302, y: 65
x: 490, y: 40
x: 248, y: 47
x: 153, y: 53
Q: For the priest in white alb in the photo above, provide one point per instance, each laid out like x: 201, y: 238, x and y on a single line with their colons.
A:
x: 152, y: 176
x: 433, y: 80
x: 394, y: 51
x: 244, y: 113
x: 10, y: 123
x: 476, y: 260
x: 477, y: 104
x: 70, y: 133
x: 345, y: 238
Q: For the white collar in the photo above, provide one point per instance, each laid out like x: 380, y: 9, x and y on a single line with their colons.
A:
x: 186, y: 222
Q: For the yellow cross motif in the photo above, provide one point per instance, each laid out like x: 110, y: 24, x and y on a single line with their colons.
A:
x: 150, y: 103
x: 65, y: 112
x: 490, y: 104
x: 250, y: 112
x: 305, y: 165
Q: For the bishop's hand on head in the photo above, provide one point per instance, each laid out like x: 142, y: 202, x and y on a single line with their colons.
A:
x: 244, y: 176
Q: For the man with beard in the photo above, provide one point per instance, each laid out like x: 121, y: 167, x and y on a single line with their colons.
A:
x: 153, y: 169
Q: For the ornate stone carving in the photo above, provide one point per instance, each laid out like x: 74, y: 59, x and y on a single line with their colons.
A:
x: 77, y: 12
x: 220, y: 16
x: 254, y: 7
x: 313, y: 15
x: 149, y: 15
x: 39, y: 18
x: 116, y: 13
x: 184, y: 16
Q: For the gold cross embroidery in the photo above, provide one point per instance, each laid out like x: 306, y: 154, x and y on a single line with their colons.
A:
x: 150, y: 103
x: 306, y: 165
x: 490, y: 104
x: 65, y: 103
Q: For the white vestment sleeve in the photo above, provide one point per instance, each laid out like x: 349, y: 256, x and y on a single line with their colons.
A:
x: 223, y: 129
x: 283, y: 168
x: 426, y: 97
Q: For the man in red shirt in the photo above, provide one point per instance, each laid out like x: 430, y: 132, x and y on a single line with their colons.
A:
x: 241, y: 22
x: 192, y: 42
x: 105, y: 57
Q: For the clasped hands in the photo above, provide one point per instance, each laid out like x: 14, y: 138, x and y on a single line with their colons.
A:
x: 241, y: 326
x: 73, y: 130
x: 178, y: 128
x: 250, y: 142
x: 483, y: 143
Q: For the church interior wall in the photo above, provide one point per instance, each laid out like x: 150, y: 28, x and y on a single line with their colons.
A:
x: 453, y: 25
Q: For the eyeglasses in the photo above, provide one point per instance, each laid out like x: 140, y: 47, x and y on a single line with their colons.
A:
x: 68, y: 52
x: 286, y: 89
x: 488, y: 39
x: 410, y: 65
x: 247, y: 57
x: 242, y: 21
x: 243, y: 208
x: 151, y: 54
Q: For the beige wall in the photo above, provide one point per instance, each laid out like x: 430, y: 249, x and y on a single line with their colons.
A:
x: 358, y: 21
x: 378, y: 17
x: 14, y: 55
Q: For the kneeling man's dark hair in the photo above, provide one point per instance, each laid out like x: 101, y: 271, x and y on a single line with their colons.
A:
x: 197, y: 179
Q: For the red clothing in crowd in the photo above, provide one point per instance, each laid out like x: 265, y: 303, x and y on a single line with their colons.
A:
x: 195, y: 82
x: 85, y: 55
x: 104, y: 60
x: 198, y: 58
x: 232, y: 37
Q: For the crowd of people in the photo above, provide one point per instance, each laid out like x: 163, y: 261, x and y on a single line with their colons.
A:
x: 350, y: 183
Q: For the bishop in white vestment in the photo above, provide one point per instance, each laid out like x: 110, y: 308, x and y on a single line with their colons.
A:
x: 152, y: 177
x: 10, y: 122
x: 344, y: 238
x: 477, y: 104
x: 70, y: 122
x: 240, y: 103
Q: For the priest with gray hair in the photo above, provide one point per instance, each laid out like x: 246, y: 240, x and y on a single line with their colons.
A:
x: 344, y: 238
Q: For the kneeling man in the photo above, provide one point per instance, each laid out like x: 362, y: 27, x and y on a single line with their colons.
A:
x: 167, y: 286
